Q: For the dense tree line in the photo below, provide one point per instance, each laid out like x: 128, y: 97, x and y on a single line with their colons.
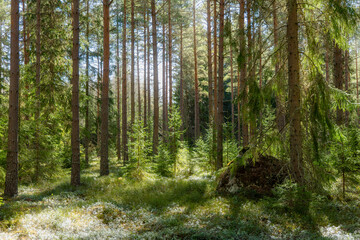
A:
x: 89, y: 79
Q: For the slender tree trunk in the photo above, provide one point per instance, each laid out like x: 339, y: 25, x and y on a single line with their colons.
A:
x: 124, y: 93
x: 210, y: 67
x: 338, y: 78
x: 75, y: 133
x: 245, y: 129
x: 37, y: 83
x: 148, y: 68
x: 219, y: 159
x: 156, y: 81
x: 11, y: 179
x: 104, y: 161
x: 118, y: 82
x: 145, y: 63
x: 132, y: 62
x: 251, y: 74
x: 87, y: 121
x: 138, y: 78
x: 99, y: 77
x: 260, y: 73
x: 182, y: 110
x: 170, y: 56
x: 164, y: 78
x: 232, y: 94
x: 280, y: 111
x: 196, y: 105
x: 294, y: 92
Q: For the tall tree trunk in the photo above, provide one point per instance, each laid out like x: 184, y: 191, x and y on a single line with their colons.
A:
x: 182, y: 109
x: 145, y: 63
x: 37, y: 83
x: 87, y: 121
x: 245, y: 129
x: 219, y: 159
x: 99, y: 77
x: 11, y: 179
x: 104, y: 161
x: 280, y: 111
x: 75, y: 133
x: 196, y: 105
x: 170, y: 56
x: 294, y: 92
x: 132, y: 62
x: 124, y: 92
x: 138, y: 78
x: 251, y: 67
x: 156, y: 81
x: 118, y: 83
x: 148, y: 68
x: 338, y: 78
x: 232, y: 94
x: 164, y: 68
x: 210, y: 67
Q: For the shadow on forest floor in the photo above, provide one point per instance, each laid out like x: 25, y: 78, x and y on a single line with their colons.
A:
x: 168, y: 209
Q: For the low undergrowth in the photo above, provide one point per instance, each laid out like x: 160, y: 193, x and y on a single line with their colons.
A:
x: 113, y: 207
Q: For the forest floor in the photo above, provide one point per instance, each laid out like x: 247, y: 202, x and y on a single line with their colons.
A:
x: 115, y: 208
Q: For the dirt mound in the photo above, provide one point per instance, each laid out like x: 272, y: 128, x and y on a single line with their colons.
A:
x: 259, y: 176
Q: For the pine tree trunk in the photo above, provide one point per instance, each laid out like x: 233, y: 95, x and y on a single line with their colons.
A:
x: 37, y: 83
x: 124, y: 91
x: 104, y: 161
x: 210, y: 67
x: 232, y: 94
x: 251, y: 67
x: 148, y: 70
x: 11, y: 179
x: 215, y: 64
x: 132, y: 62
x: 138, y: 79
x: 75, y: 133
x: 196, y: 105
x: 294, y: 92
x: 87, y: 121
x: 118, y: 83
x: 182, y: 110
x: 245, y: 129
x: 164, y: 79
x: 170, y: 57
x: 347, y: 80
x: 145, y: 63
x: 219, y: 159
x: 156, y: 81
x: 338, y: 78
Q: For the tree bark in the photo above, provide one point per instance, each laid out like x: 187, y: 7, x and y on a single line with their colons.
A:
x: 104, y: 161
x: 156, y: 80
x: 170, y: 56
x: 124, y: 92
x: 145, y: 63
x: 118, y: 83
x: 338, y: 79
x: 210, y: 67
x: 11, y: 179
x: 87, y: 121
x: 232, y: 94
x: 132, y: 62
x: 245, y: 129
x: 164, y: 79
x: 182, y: 110
x: 196, y: 105
x: 294, y: 92
x: 148, y: 69
x: 75, y: 133
x: 138, y: 79
x: 219, y: 159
